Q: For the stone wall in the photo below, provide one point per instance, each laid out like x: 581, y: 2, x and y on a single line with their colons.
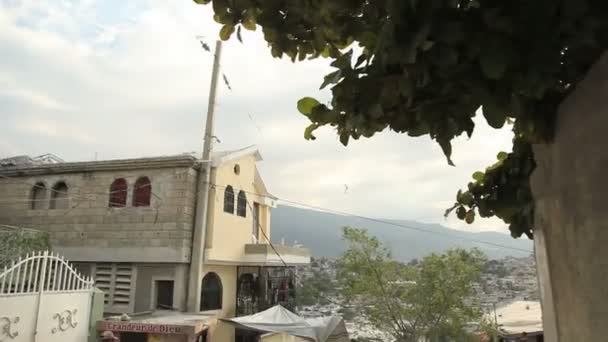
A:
x: 570, y: 186
x: 90, y: 230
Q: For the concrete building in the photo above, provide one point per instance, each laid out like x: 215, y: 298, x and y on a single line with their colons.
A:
x: 130, y: 224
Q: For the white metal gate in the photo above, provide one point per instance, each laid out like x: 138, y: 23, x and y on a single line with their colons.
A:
x: 44, y: 299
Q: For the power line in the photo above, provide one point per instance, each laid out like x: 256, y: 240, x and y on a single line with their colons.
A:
x: 396, y: 224
x: 267, y: 238
x: 305, y: 205
x: 79, y: 198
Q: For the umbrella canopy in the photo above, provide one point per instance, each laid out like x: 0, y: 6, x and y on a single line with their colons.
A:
x: 277, y: 319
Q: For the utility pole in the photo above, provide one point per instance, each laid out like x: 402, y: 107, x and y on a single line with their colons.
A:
x: 202, y: 201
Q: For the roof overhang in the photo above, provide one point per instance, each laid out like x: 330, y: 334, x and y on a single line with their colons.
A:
x: 224, y: 157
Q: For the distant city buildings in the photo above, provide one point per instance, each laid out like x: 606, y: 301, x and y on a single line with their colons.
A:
x: 504, y: 281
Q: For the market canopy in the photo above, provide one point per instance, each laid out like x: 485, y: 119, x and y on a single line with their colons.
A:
x: 277, y: 319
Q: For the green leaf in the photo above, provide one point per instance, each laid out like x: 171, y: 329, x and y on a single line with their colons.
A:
x: 427, y: 45
x: 308, y: 132
x: 375, y: 111
x: 226, y: 32
x: 344, y: 136
x: 446, y: 147
x: 249, y: 23
x: 306, y: 104
x: 466, y: 198
x: 461, y: 212
x: 495, y: 115
x: 470, y: 216
x: 493, y: 62
x: 202, y: 2
x: 502, y: 156
x: 331, y: 78
x: 479, y: 176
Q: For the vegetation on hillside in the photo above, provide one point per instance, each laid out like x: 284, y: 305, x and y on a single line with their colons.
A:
x: 16, y: 242
x: 424, y: 302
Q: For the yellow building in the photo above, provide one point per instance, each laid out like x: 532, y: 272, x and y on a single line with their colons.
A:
x: 134, y: 226
x: 236, y: 244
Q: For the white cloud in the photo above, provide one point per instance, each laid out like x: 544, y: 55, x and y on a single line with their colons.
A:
x: 132, y: 80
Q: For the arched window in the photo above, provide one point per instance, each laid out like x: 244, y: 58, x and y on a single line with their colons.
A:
x: 38, y: 198
x: 142, y: 192
x: 211, y: 292
x: 241, y: 204
x: 59, y: 196
x: 118, y: 193
x: 229, y: 200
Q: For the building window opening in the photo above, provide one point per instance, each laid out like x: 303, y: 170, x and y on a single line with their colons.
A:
x: 241, y: 205
x: 211, y: 292
x: 142, y: 191
x: 59, y: 196
x: 164, y: 294
x: 38, y: 196
x: 229, y: 200
x: 118, y: 193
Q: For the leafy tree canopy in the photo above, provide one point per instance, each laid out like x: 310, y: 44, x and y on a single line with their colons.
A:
x: 16, y: 242
x: 415, y: 303
x: 424, y: 67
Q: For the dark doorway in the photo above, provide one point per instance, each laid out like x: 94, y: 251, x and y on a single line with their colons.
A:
x: 164, y: 294
x: 211, y: 292
x: 241, y: 335
x: 133, y: 337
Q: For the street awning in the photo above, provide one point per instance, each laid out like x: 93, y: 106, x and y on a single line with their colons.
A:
x: 280, y: 320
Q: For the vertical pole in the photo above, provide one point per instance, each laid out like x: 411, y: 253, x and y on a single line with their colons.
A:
x: 45, y: 258
x: 3, y: 280
x: 202, y: 201
x: 495, y: 337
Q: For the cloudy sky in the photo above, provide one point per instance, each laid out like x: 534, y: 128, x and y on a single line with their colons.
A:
x: 122, y: 79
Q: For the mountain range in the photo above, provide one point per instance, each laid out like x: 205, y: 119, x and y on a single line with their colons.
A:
x: 321, y: 233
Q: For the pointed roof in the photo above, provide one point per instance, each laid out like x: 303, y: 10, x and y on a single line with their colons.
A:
x: 277, y: 319
x: 220, y: 157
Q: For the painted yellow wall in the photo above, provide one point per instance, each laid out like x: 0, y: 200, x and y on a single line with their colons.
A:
x: 219, y: 331
x: 228, y: 233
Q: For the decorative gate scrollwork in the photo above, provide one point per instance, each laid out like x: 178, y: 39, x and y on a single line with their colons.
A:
x: 7, y: 329
x: 65, y: 320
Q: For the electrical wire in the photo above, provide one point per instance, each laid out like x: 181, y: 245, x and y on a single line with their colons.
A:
x: 267, y: 238
x: 396, y: 224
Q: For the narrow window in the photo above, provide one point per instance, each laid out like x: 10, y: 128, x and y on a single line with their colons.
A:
x: 229, y: 200
x: 256, y: 222
x: 164, y: 294
x: 118, y: 193
x: 38, y: 196
x: 59, y: 196
x: 142, y: 192
x: 241, y: 204
x: 211, y: 292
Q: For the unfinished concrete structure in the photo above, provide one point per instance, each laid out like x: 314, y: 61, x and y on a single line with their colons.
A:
x: 130, y: 224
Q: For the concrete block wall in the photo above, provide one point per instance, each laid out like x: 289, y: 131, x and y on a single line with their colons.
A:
x: 571, y: 220
x: 89, y: 230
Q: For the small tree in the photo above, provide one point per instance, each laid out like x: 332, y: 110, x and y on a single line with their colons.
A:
x: 16, y: 242
x: 428, y: 302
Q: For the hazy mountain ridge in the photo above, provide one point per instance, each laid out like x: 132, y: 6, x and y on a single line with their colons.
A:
x: 321, y: 233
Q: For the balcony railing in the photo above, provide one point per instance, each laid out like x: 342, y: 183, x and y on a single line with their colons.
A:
x: 260, y: 288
